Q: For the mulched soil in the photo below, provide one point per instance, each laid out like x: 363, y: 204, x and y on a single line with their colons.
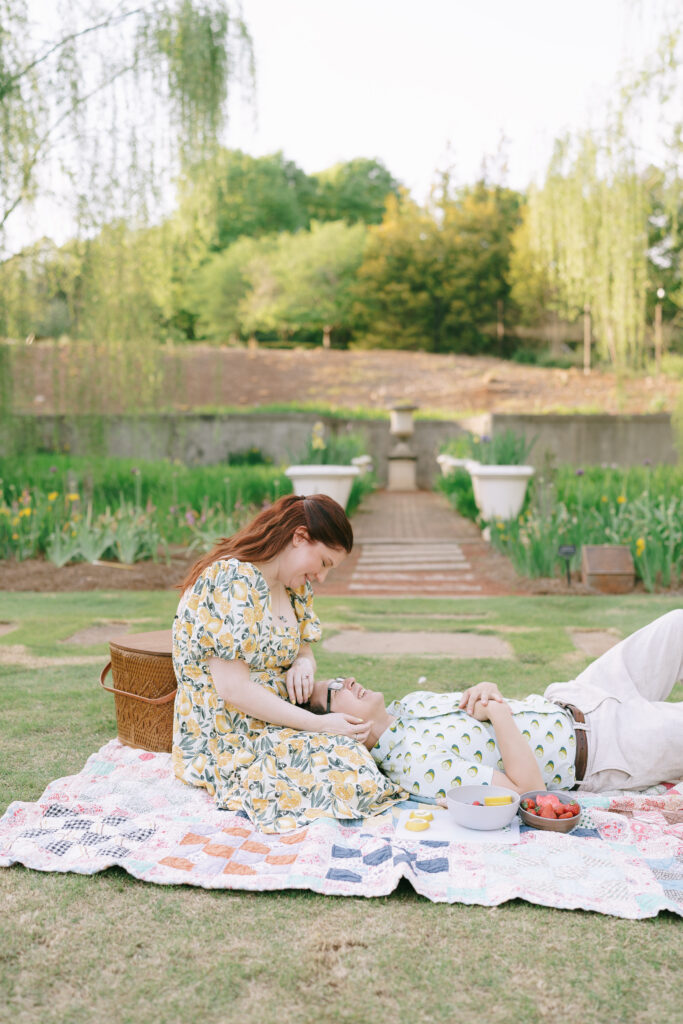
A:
x: 494, y: 572
x: 39, y: 575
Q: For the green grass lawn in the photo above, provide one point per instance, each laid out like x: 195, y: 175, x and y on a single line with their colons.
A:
x: 107, y: 947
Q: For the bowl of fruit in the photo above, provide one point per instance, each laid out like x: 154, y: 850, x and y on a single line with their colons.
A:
x: 554, y: 812
x: 482, y: 807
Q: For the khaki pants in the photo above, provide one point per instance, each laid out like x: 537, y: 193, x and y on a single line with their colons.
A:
x: 635, y: 737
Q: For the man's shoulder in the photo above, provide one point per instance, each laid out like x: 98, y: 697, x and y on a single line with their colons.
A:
x: 426, y: 704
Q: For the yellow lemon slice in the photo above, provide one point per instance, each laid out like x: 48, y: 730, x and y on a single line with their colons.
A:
x: 494, y: 801
x: 416, y: 825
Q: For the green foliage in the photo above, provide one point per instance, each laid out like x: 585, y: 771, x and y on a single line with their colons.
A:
x: 332, y: 448
x: 457, y: 486
x: 235, y: 194
x: 78, y: 93
x: 76, y: 509
x: 190, y: 37
x: 363, y: 485
x: 305, y: 281
x: 541, y: 357
x: 73, y: 508
x: 601, y: 234
x: 435, y: 278
x: 639, y: 507
x: 217, y: 292
x: 280, y: 284
x: 503, y: 449
x: 170, y: 61
x: 354, y: 192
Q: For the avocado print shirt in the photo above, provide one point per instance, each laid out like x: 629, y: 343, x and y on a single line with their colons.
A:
x: 433, y: 746
x: 281, y: 778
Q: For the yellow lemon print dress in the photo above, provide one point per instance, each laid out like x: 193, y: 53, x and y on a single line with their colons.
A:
x: 281, y: 778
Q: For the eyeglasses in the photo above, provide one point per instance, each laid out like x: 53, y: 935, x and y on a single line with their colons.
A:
x: 332, y: 685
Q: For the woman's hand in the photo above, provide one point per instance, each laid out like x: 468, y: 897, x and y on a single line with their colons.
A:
x: 299, y: 680
x: 345, y: 725
x: 483, y: 692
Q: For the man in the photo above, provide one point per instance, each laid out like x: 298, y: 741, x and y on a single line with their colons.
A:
x: 610, y: 728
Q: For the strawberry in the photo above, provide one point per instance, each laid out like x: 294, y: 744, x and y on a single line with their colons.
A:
x: 547, y: 812
x: 574, y: 808
x: 565, y: 814
x: 477, y: 803
x: 528, y: 805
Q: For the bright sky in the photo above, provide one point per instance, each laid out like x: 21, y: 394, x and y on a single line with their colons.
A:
x: 424, y: 83
x: 419, y: 84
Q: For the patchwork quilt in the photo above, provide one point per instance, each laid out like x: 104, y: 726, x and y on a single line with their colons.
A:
x: 125, y: 808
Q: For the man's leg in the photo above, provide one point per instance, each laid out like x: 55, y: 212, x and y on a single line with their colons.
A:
x: 635, y: 744
x: 635, y: 737
x: 648, y: 663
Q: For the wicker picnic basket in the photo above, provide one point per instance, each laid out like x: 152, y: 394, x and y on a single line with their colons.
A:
x: 144, y: 688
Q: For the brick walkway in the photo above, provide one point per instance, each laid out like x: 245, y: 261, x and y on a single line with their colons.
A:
x: 414, y: 543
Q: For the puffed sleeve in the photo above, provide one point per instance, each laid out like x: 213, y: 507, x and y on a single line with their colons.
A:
x: 226, y: 607
x: 309, y: 623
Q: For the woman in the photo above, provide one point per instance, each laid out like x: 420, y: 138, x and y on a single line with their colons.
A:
x: 242, y: 657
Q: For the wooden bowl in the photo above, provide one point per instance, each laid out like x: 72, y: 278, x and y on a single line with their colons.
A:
x: 550, y: 824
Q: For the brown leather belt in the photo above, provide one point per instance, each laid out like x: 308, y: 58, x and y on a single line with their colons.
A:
x: 581, y: 741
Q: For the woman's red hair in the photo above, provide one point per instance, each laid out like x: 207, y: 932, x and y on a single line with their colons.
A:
x: 273, y: 528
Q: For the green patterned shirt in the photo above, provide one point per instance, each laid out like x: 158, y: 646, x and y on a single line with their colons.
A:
x: 433, y: 745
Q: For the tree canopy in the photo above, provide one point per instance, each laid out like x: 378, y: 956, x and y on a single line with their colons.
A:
x: 435, y: 277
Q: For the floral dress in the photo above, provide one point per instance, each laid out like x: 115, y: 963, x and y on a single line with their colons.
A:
x: 282, y: 778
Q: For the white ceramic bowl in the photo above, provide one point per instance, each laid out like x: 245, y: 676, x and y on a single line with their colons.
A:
x: 460, y: 802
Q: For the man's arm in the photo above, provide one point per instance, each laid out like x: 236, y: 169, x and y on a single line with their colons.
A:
x: 522, y: 771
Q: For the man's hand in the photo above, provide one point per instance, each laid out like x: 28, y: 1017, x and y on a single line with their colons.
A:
x: 482, y: 692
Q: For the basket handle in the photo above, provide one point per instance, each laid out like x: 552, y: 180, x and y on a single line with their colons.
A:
x: 126, y: 693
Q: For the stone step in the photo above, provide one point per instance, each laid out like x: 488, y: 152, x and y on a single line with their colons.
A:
x: 421, y: 576
x: 423, y: 589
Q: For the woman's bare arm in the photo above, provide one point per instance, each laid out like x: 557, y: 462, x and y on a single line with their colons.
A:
x: 234, y: 685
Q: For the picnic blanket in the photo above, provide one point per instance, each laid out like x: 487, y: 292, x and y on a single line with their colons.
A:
x: 126, y: 808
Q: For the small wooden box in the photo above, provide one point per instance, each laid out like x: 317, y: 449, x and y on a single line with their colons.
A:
x: 608, y: 568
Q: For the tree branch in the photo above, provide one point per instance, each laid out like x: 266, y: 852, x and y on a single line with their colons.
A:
x: 107, y: 23
x: 28, y: 169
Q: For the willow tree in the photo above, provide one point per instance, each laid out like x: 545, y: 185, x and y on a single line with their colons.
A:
x: 100, y: 113
x: 587, y: 225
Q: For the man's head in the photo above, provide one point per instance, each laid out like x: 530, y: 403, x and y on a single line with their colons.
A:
x: 347, y: 697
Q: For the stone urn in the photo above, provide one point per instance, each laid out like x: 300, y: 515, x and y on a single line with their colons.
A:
x: 335, y: 481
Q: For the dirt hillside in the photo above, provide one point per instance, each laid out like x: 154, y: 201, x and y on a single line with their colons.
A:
x: 201, y: 377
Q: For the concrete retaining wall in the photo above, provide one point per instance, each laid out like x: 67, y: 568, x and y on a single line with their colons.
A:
x: 206, y: 439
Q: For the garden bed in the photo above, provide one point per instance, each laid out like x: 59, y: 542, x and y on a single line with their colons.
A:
x: 640, y: 507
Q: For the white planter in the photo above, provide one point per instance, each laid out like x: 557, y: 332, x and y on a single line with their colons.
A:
x: 449, y: 462
x: 499, y: 490
x: 335, y: 481
x: 364, y: 463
